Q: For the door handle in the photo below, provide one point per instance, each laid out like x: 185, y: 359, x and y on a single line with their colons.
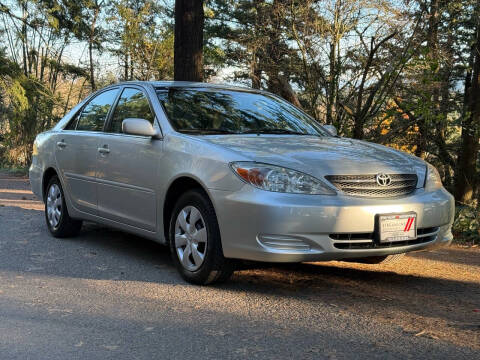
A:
x: 61, y: 144
x: 104, y: 149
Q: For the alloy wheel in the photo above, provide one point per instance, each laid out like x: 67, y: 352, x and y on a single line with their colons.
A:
x: 190, y: 238
x: 54, y: 205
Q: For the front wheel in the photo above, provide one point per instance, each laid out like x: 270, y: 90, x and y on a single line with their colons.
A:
x: 59, y: 223
x: 195, y: 242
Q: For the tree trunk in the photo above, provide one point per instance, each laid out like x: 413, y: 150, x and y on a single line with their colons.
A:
x: 274, y: 52
x: 188, y: 43
x: 24, y: 38
x: 125, y: 66
x: 331, y: 81
x: 255, y: 70
x: 358, y: 129
x: 466, y: 174
x: 279, y: 85
x: 92, y: 72
x: 131, y: 67
x: 90, y: 47
x: 255, y: 73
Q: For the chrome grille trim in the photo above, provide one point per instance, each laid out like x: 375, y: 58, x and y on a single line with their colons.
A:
x: 367, y: 186
x: 355, y: 241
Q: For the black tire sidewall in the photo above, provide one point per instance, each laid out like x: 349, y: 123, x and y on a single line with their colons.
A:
x: 214, y: 253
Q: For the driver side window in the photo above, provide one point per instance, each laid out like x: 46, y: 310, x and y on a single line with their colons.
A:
x: 132, y: 104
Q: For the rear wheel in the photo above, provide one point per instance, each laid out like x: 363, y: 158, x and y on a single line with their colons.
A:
x: 195, y: 242
x: 58, y: 221
x: 387, y: 259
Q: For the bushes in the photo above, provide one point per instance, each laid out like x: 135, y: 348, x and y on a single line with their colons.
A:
x: 27, y: 107
x: 466, y: 227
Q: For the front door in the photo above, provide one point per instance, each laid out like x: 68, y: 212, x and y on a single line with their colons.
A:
x: 127, y: 166
x: 76, y: 151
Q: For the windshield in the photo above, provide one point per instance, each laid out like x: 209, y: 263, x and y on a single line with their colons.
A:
x: 214, y: 111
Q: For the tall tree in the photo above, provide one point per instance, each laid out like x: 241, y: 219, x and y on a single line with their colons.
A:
x: 36, y: 79
x: 257, y: 44
x: 94, y: 7
x: 142, y: 44
x: 467, y: 173
x: 188, y: 43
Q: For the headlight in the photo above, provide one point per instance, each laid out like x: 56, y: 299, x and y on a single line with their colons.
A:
x: 432, y: 178
x: 279, y: 179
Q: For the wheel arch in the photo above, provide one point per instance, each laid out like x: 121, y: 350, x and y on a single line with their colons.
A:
x: 47, y: 175
x: 176, y: 188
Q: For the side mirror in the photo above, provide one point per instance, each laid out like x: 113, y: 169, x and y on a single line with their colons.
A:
x: 331, y: 129
x: 140, y: 127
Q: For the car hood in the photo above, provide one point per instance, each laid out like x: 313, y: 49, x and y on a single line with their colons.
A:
x: 320, y: 156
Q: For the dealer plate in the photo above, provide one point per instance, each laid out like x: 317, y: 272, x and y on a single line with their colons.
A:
x: 397, y: 227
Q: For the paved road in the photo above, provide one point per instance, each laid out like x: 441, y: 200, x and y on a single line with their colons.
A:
x: 109, y: 295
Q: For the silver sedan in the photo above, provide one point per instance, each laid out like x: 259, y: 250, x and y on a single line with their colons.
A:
x: 222, y: 174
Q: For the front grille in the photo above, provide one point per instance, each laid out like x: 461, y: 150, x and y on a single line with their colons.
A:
x: 352, y: 241
x: 367, y: 186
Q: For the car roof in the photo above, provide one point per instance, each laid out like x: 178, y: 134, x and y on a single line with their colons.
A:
x: 188, y: 84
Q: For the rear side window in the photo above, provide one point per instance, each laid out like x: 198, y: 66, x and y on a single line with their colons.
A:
x: 132, y: 104
x: 95, y: 113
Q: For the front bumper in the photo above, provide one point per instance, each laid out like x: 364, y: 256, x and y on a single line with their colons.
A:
x: 35, y: 176
x: 275, y: 227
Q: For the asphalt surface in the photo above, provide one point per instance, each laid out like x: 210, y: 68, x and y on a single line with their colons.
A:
x: 109, y: 295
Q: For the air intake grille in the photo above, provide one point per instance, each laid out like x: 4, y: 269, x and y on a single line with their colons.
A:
x: 367, y: 186
x: 353, y: 241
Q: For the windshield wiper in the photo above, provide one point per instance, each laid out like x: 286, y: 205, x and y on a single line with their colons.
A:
x: 251, y: 131
x: 207, y: 131
x: 274, y: 131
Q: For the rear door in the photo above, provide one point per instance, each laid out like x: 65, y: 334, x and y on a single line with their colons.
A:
x: 77, y: 148
x: 127, y: 165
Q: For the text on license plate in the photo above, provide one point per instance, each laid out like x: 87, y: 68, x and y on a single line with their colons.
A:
x: 398, y: 227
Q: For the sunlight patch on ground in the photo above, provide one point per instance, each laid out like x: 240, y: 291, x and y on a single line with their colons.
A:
x: 13, y: 191
x: 23, y: 204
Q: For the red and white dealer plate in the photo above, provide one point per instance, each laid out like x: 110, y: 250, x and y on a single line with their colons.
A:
x: 397, y: 227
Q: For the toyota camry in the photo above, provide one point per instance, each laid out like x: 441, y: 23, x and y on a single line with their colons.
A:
x: 221, y: 174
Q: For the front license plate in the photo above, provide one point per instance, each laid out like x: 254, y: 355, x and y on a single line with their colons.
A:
x: 398, y: 227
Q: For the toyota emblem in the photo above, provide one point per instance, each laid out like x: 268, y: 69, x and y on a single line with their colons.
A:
x: 383, y: 179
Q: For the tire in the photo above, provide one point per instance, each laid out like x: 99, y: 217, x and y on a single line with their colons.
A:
x: 387, y: 259
x: 59, y: 222
x: 195, y: 242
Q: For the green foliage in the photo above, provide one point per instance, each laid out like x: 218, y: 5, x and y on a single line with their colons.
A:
x: 26, y: 109
x: 144, y: 46
x: 466, y: 227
